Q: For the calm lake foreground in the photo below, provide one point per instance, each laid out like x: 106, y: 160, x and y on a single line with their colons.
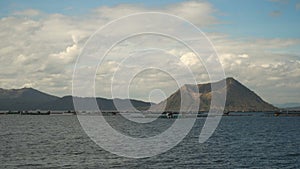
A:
x: 239, y: 142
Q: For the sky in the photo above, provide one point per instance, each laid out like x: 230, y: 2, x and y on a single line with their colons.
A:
x: 258, y: 43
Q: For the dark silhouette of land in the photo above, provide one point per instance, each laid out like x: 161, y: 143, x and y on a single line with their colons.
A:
x: 239, y: 98
x: 32, y: 99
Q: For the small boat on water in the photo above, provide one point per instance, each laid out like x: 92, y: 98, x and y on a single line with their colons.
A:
x: 276, y: 114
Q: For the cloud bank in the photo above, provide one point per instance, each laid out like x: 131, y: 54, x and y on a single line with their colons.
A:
x: 39, y: 50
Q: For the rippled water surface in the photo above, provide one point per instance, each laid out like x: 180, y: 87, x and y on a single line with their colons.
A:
x: 239, y: 142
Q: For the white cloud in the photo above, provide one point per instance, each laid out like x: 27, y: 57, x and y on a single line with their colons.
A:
x: 66, y: 56
x: 243, y: 56
x: 199, y: 12
x: 20, y: 59
x: 265, y: 65
x: 190, y: 59
x: 274, y: 78
x: 39, y: 50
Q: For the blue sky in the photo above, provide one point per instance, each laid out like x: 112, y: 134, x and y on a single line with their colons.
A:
x: 241, y: 18
x: 254, y: 18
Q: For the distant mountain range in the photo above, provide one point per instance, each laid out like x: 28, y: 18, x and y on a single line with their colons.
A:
x: 24, y: 99
x: 293, y: 108
x: 288, y: 105
x: 32, y: 99
x: 239, y: 98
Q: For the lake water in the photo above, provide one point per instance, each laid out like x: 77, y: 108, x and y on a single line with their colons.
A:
x: 57, y: 141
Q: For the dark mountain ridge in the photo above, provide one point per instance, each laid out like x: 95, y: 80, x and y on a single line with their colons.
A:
x: 32, y: 99
x: 23, y: 99
x: 239, y: 98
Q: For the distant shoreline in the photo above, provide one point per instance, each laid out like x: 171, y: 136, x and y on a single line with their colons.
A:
x: 167, y: 114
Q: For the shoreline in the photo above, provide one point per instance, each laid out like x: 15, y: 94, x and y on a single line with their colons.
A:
x: 166, y: 114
